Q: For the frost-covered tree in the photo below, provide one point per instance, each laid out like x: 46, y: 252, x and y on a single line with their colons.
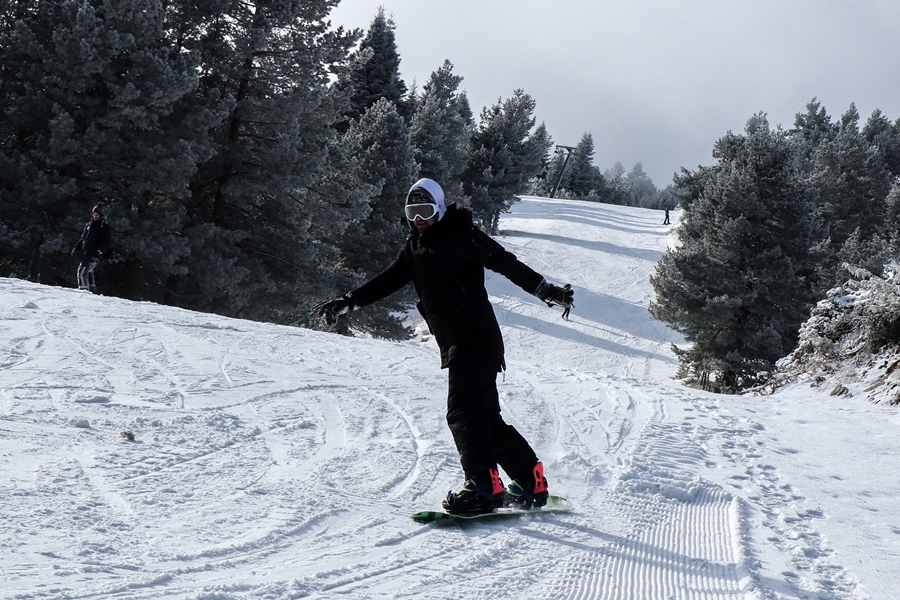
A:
x: 503, y: 156
x: 583, y: 179
x: 890, y: 232
x: 812, y: 128
x: 884, y: 135
x: 867, y: 252
x: 380, y: 144
x: 265, y: 211
x: 99, y: 105
x: 440, y: 131
x: 641, y: 189
x: 376, y: 72
x: 616, y: 184
x: 667, y: 197
x: 541, y: 138
x: 852, y: 181
x: 734, y: 286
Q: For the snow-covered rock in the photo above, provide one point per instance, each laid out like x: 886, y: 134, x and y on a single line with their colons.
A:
x: 851, y: 343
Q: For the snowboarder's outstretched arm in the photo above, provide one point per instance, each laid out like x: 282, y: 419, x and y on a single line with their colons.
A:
x: 495, y: 257
x: 394, y: 277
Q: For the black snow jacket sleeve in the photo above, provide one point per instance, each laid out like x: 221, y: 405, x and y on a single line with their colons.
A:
x: 392, y: 279
x: 446, y: 264
x: 495, y: 257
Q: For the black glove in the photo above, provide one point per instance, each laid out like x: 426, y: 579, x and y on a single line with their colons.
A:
x: 555, y: 295
x: 332, y: 309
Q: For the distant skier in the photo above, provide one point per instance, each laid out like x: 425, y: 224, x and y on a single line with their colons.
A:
x: 93, y: 243
x: 666, y: 220
x: 444, y: 257
x: 567, y: 306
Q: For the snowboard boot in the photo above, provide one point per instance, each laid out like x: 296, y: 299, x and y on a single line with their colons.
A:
x: 530, y: 490
x: 479, y: 495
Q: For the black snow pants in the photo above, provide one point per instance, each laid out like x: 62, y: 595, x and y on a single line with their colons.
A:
x: 85, y: 275
x: 482, y: 438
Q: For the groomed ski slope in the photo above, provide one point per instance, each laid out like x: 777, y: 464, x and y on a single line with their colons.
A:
x: 274, y: 462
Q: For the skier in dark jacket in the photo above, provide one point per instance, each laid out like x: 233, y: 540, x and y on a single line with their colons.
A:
x: 445, y: 257
x: 567, y: 306
x: 93, y: 243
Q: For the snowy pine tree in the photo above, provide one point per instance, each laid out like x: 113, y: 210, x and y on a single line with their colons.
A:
x: 884, y: 135
x: 376, y: 72
x: 551, y: 164
x: 616, y: 184
x: 265, y: 211
x: 99, y: 106
x: 583, y: 179
x: 890, y: 231
x: 440, y: 132
x: 870, y: 253
x: 641, y: 189
x: 852, y: 182
x: 733, y: 286
x: 380, y: 144
x: 503, y: 156
x: 812, y: 128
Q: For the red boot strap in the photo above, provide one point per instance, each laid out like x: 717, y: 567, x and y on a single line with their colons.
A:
x: 540, y: 482
x: 496, y: 484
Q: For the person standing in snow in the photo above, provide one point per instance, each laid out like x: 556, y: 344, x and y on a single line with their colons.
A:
x: 93, y: 243
x: 445, y: 256
x: 666, y: 220
x: 568, y: 305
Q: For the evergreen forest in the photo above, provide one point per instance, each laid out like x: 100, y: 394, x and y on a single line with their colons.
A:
x: 778, y: 221
x: 252, y: 158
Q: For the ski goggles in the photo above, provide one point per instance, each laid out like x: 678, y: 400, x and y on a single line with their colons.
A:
x: 420, y: 211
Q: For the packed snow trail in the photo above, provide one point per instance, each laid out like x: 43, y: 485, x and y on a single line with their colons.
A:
x: 275, y: 462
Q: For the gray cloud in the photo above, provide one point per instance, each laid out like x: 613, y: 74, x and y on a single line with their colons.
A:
x: 654, y: 81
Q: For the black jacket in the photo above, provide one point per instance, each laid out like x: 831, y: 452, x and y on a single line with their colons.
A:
x: 446, y: 264
x: 94, y: 239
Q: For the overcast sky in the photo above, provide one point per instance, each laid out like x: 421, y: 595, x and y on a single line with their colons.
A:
x: 654, y: 81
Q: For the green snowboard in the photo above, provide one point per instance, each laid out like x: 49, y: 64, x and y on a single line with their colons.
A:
x: 555, y: 504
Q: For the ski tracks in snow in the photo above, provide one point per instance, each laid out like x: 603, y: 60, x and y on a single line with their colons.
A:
x: 640, y: 465
x: 271, y: 462
x: 774, y: 510
x: 683, y: 536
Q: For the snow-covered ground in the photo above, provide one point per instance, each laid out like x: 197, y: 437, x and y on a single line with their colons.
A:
x: 273, y: 462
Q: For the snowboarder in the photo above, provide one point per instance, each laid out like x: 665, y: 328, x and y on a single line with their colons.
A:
x: 666, y: 220
x: 444, y: 257
x: 93, y: 243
